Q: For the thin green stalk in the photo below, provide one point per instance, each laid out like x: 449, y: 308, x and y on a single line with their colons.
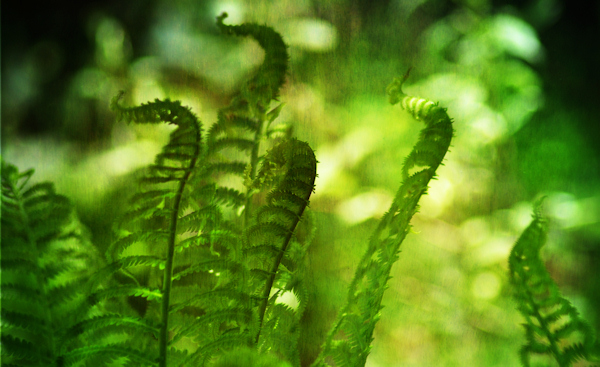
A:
x: 253, y: 167
x: 168, y: 275
x: 267, y: 291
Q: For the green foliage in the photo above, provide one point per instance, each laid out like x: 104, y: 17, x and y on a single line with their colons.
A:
x: 214, y: 266
x: 553, y: 326
x: 46, y: 260
x: 349, y: 342
x: 447, y: 304
x: 222, y: 273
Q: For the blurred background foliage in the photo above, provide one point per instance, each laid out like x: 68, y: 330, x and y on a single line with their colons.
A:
x: 520, y: 79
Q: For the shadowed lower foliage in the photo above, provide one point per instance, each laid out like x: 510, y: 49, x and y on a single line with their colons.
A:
x: 46, y: 261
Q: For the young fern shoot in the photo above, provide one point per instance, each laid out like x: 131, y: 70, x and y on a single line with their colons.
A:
x: 349, y: 341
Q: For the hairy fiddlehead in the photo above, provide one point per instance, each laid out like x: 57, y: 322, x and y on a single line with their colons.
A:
x: 553, y: 326
x: 46, y: 260
x: 348, y: 343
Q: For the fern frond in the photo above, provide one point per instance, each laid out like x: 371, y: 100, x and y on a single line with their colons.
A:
x: 203, y: 355
x: 265, y: 85
x: 553, y: 326
x: 273, y: 230
x: 126, y: 290
x: 240, y: 316
x: 246, y: 357
x: 208, y: 265
x: 173, y: 166
x: 126, y: 240
x: 352, y: 332
x: 234, y: 167
x: 226, y: 238
x: 209, y: 299
x: 208, y: 216
x: 109, y: 320
x: 20, y: 352
x: 45, y: 260
x: 120, y: 264
x: 283, y: 333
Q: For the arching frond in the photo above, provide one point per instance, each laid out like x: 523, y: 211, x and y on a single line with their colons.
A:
x: 348, y: 342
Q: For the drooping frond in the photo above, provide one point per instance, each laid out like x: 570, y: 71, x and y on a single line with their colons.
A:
x: 257, y: 93
x: 553, y: 327
x: 349, y: 340
x: 46, y: 259
x: 234, y: 141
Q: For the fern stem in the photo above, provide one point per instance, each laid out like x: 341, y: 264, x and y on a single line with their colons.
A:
x: 168, y: 275
x: 253, y: 167
x: 273, y: 272
x: 167, y: 282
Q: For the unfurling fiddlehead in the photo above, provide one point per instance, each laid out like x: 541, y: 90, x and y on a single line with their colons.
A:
x: 349, y: 342
x: 276, y: 221
x: 553, y: 326
x: 287, y: 171
x: 173, y: 165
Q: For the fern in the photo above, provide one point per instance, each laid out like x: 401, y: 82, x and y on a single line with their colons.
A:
x: 553, y: 326
x: 213, y: 265
x: 245, y: 123
x: 222, y: 275
x: 273, y: 230
x: 349, y: 341
x: 215, y: 261
x: 46, y: 259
